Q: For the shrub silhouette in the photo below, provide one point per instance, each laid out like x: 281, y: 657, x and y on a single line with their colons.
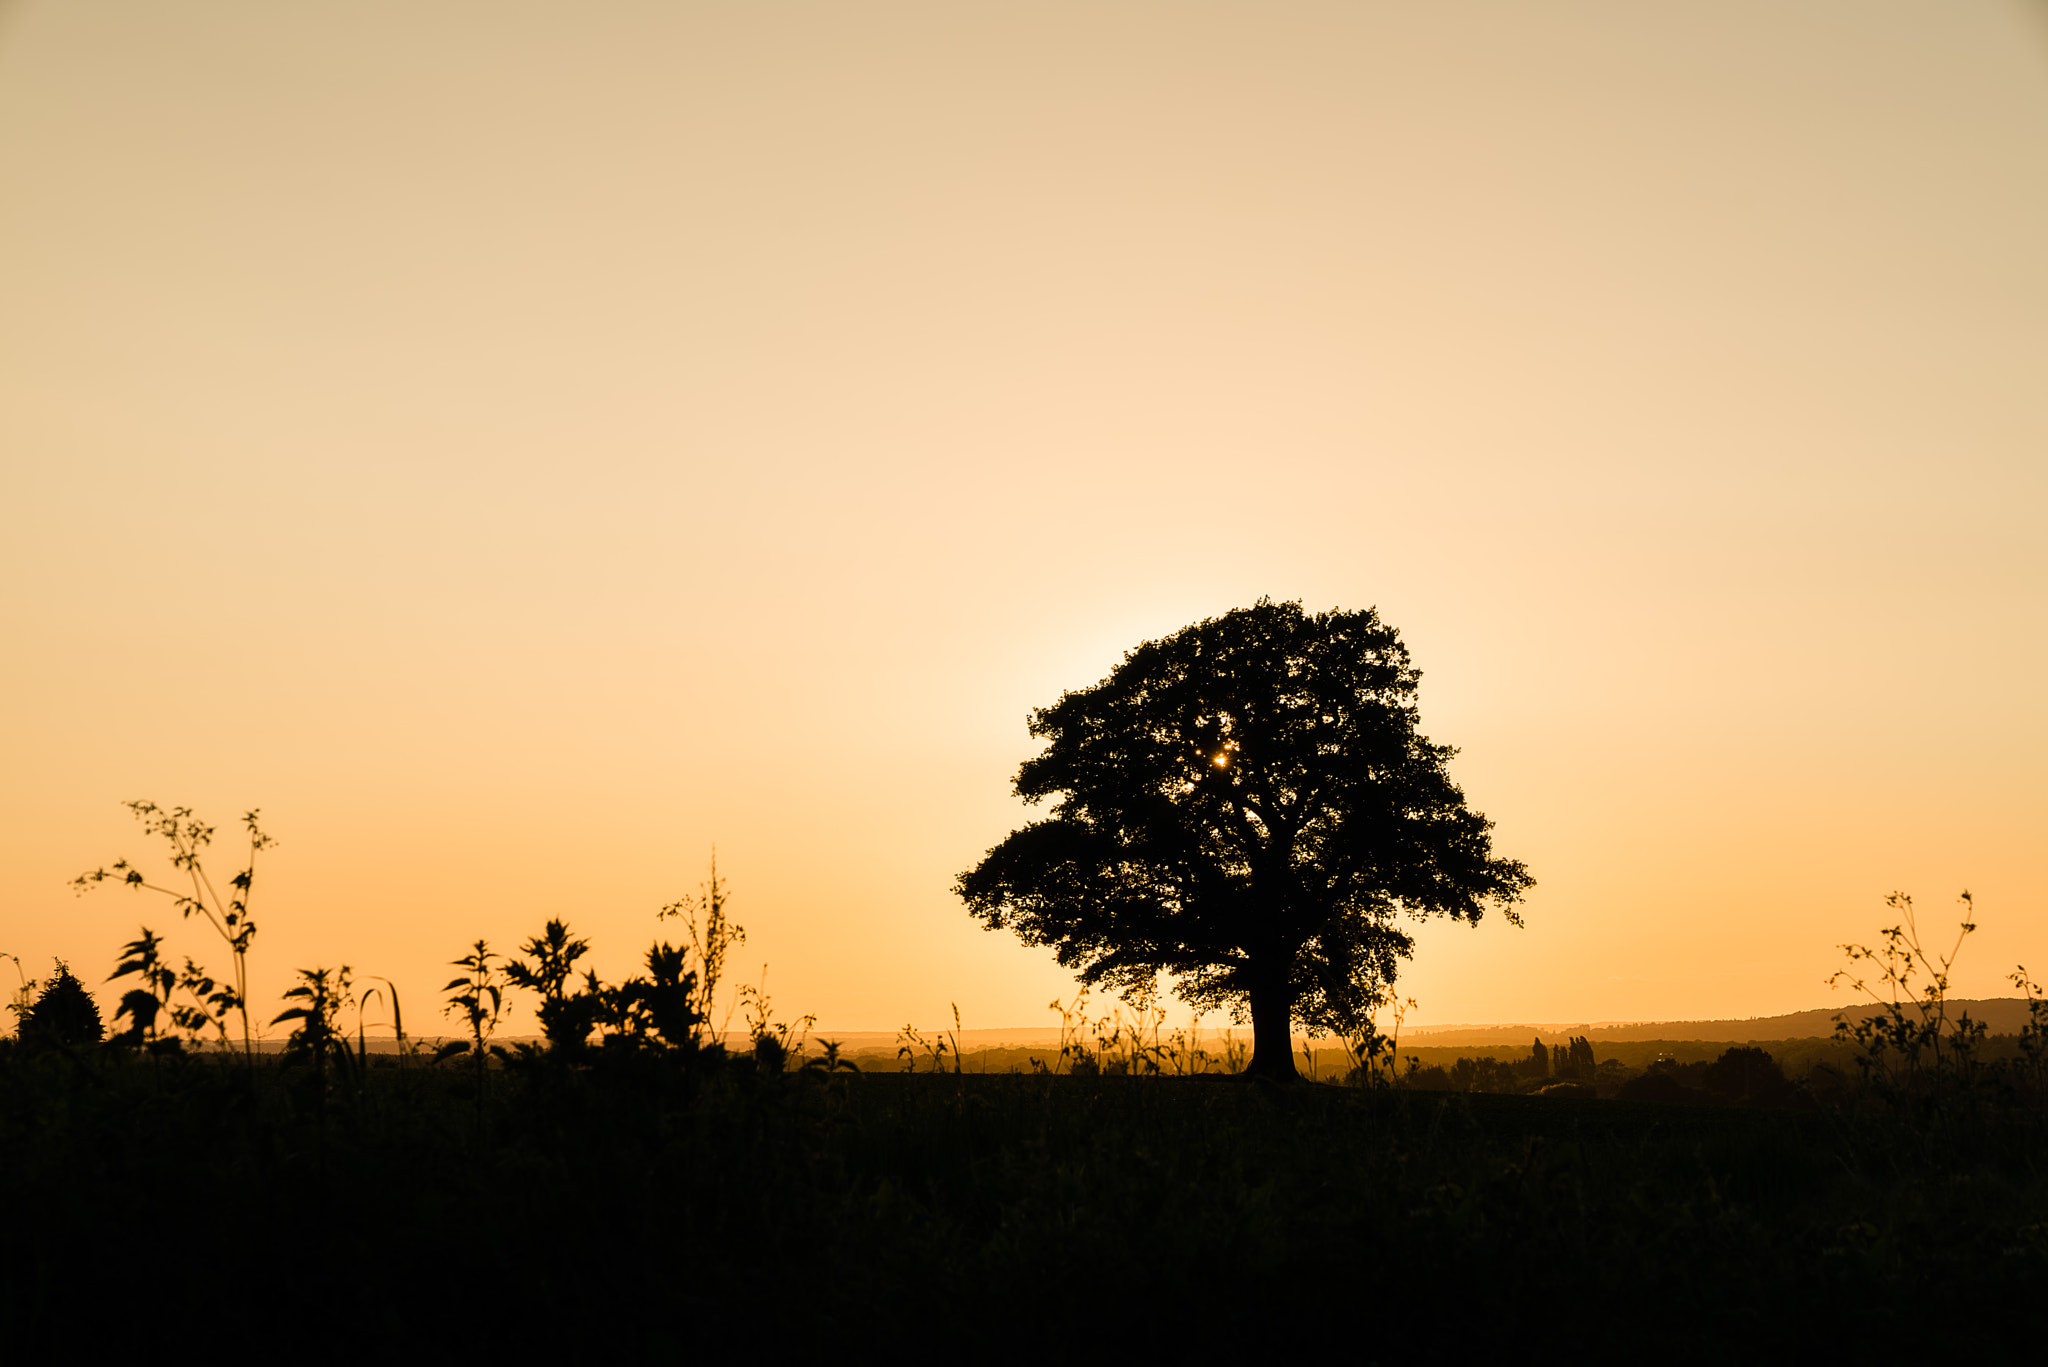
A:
x: 1748, y: 1076
x: 478, y: 996
x: 671, y: 994
x: 1909, y: 1049
x: 1744, y: 1075
x: 667, y: 1008
x: 144, y: 1006
x: 565, y: 1020
x: 1662, y: 1083
x: 321, y: 995
x: 63, y: 1015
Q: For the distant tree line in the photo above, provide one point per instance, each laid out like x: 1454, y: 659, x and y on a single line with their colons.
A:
x: 1570, y: 1064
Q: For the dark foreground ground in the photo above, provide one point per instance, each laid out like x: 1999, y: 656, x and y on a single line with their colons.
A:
x: 648, y: 1209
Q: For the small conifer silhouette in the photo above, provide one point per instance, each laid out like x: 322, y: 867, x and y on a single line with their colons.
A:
x: 64, y: 1014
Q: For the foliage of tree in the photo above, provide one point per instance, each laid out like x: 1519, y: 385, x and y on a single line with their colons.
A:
x: 1575, y: 1062
x: 1743, y: 1075
x: 1247, y: 805
x: 1748, y: 1076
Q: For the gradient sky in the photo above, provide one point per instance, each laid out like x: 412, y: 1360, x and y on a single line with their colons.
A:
x: 519, y: 446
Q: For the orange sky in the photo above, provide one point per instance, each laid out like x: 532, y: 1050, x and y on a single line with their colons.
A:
x: 521, y: 445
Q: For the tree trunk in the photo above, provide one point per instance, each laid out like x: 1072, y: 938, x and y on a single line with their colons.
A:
x: 1272, y: 1029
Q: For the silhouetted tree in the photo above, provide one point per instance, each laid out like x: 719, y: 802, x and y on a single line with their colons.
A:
x: 1486, y: 1074
x: 1748, y: 1076
x: 63, y: 1014
x: 1668, y: 1083
x: 1574, y: 1063
x: 1245, y: 804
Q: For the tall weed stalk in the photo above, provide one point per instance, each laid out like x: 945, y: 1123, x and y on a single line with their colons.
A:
x: 188, y: 837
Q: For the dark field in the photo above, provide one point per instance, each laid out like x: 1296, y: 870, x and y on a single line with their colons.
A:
x: 652, y: 1205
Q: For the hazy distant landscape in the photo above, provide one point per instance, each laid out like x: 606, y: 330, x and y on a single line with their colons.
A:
x: 2002, y: 1015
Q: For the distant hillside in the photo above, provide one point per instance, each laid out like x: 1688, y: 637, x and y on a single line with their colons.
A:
x: 2004, y: 1016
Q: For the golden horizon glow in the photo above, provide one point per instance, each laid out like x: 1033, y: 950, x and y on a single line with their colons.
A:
x: 518, y: 447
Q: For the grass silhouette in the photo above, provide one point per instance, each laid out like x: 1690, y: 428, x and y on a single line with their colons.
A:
x: 633, y: 1185
x: 680, y: 1206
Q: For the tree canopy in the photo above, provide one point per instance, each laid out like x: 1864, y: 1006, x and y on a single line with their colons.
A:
x: 1246, y: 805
